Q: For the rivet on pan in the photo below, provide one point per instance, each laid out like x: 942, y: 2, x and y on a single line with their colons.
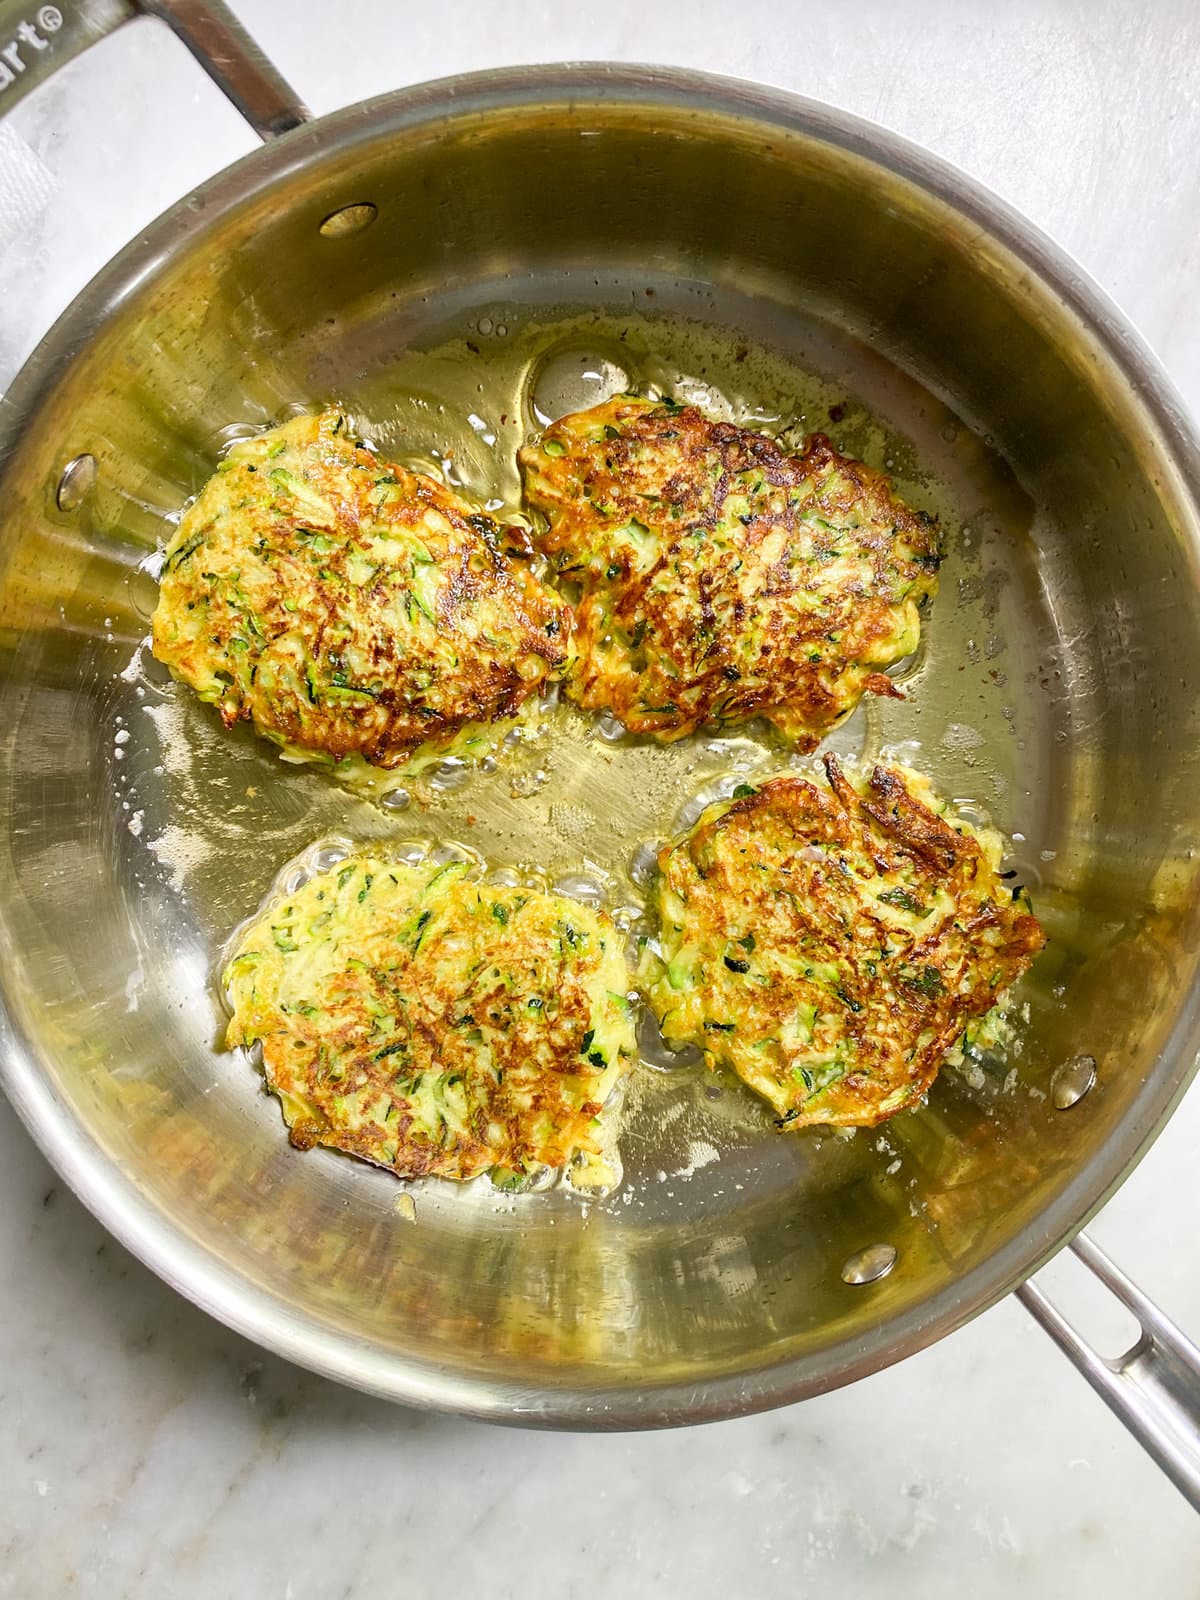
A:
x: 869, y: 1265
x: 349, y: 219
x: 77, y: 480
x: 1072, y: 1081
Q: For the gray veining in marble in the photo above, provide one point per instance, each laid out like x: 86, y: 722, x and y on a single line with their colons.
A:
x: 147, y: 1453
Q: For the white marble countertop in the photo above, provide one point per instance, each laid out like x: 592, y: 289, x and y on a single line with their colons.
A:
x: 146, y: 1452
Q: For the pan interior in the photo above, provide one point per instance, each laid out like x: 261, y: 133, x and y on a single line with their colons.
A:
x: 516, y: 269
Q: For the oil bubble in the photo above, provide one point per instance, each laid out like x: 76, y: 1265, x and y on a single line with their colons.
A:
x: 235, y: 433
x: 643, y: 864
x: 504, y: 878
x: 449, y: 775
x: 971, y: 812
x: 581, y: 886
x: 571, y: 378
x: 657, y: 1053
x: 413, y: 853
x: 142, y: 584
x: 607, y: 727
x: 325, y: 857
x: 451, y: 852
x: 719, y: 789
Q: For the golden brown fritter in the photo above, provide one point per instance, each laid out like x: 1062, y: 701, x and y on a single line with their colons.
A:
x: 432, y: 1023
x: 351, y: 609
x: 831, y: 945
x: 721, y: 578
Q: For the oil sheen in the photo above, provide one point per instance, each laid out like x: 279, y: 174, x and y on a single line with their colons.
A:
x: 571, y: 800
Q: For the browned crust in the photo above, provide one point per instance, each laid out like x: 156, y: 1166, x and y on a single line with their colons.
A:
x: 775, y: 868
x: 503, y: 991
x: 312, y: 627
x: 713, y: 630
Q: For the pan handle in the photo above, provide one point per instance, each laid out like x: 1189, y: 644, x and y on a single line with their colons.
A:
x: 35, y: 40
x: 1154, y: 1388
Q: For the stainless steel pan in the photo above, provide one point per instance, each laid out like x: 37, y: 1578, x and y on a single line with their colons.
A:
x: 451, y: 262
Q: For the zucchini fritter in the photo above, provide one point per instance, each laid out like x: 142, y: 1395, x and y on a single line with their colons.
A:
x: 721, y: 578
x: 433, y: 1024
x: 349, y: 608
x: 831, y: 945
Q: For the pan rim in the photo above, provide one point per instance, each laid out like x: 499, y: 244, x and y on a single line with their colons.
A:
x: 179, y: 1258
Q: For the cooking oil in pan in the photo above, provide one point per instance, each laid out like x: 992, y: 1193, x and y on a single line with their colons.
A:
x: 572, y: 798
